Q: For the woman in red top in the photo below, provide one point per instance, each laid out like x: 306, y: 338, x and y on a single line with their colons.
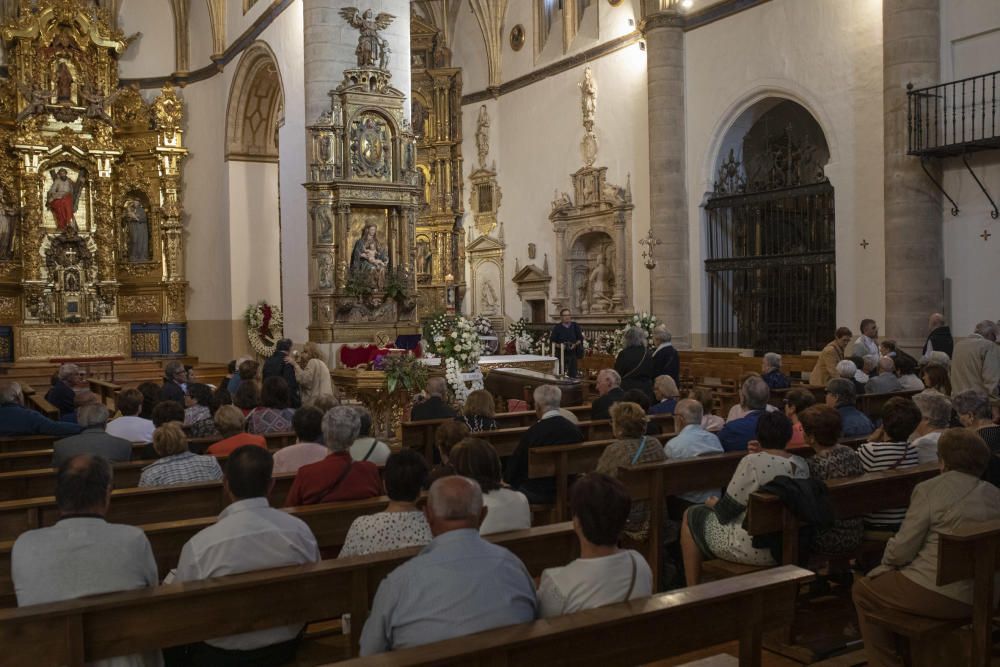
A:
x: 229, y: 421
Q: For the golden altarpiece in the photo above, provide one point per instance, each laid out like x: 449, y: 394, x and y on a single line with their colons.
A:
x: 91, y: 242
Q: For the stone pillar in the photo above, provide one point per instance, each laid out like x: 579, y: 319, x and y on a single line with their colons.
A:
x: 914, y: 264
x: 670, y: 282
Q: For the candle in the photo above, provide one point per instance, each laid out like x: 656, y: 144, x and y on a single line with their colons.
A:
x: 562, y: 358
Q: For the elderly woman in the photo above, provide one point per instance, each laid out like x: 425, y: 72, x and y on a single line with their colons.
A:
x: 198, y: 422
x: 400, y: 524
x: 715, y: 529
x: 935, y: 413
x: 796, y: 401
x: 906, y: 368
x: 709, y: 421
x: 631, y: 447
x: 274, y: 414
x: 906, y: 580
x: 666, y: 393
x: 446, y: 437
x: 176, y: 464
x: 478, y: 413
x: 366, y: 447
x: 313, y: 375
x: 635, y: 362
x: 603, y: 574
x: 508, y: 509
x: 229, y: 422
x: 666, y: 360
x: 771, y: 372
x: 973, y: 408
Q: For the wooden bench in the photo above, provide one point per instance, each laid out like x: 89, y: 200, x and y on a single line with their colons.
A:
x: 38, y: 402
x: 79, y: 631
x: 27, y: 443
x: 42, y: 458
x: 108, y: 391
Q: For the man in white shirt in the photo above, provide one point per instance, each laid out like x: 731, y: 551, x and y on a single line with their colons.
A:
x: 82, y: 554
x: 866, y: 344
x: 249, y: 536
x: 692, y: 440
x: 130, y: 426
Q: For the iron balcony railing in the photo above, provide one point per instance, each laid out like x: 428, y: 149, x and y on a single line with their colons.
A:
x: 954, y: 118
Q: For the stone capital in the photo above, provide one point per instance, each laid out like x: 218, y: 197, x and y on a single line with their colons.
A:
x: 669, y: 18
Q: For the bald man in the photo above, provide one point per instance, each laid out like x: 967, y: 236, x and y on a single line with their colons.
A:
x: 939, y: 339
x: 436, y: 406
x: 459, y: 584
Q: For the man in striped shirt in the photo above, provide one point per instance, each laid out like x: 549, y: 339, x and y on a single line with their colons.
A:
x: 900, y: 418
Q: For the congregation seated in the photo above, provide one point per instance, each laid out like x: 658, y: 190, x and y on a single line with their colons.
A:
x: 715, y: 529
x: 550, y: 429
x: 891, y: 450
x: 177, y: 465
x: 174, y: 381
x: 848, y: 370
x: 62, y: 393
x: 366, y: 447
x: 314, y: 377
x: 935, y: 376
x: 609, y: 392
x: 229, y: 424
x: 336, y: 477
x: 864, y: 368
x: 446, y: 437
x: 821, y: 425
x: 274, y: 414
x: 692, y: 440
x: 935, y: 416
x: 709, y: 420
x: 906, y: 579
x: 665, y: 390
x: 742, y: 409
x: 974, y: 412
x: 92, y: 439
x: 401, y: 524
x: 642, y: 400
x: 840, y: 394
x: 434, y: 406
x: 631, y: 447
x: 458, y: 585
x: 308, y: 448
x: 771, y: 372
x: 15, y: 419
x: 280, y: 365
x: 479, y: 412
x: 246, y: 369
x: 666, y: 359
x: 198, y: 422
x: 506, y: 509
x: 249, y: 535
x: 738, y: 431
x: 906, y: 370
x: 82, y: 554
x: 164, y: 412
x: 247, y: 397
x: 130, y: 425
x: 795, y: 402
x: 886, y: 382
x: 83, y: 397
x: 634, y: 363
x: 150, y: 397
x: 324, y: 402
x: 603, y: 574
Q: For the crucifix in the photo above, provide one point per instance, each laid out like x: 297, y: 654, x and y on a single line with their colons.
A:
x: 986, y: 235
x: 864, y: 244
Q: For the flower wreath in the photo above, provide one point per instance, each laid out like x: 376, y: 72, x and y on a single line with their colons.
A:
x: 456, y: 341
x: 264, y: 327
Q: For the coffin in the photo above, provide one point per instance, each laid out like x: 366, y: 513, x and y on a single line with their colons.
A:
x: 519, y: 383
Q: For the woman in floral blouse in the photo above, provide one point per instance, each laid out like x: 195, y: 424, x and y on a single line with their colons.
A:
x: 198, y: 422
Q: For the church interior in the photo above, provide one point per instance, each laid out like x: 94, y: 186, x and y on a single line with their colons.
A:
x: 732, y: 216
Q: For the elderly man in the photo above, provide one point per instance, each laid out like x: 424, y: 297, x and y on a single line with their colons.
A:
x: 62, y: 393
x: 249, y: 535
x: 939, y: 339
x: 666, y: 359
x: 886, y: 381
x: 840, y: 394
x: 771, y: 373
x: 279, y: 364
x: 15, y: 419
x: 435, y: 407
x: 92, y: 440
x: 976, y: 362
x: 458, y: 585
x: 848, y: 370
x: 735, y: 435
x: 82, y: 554
x: 692, y: 440
x: 336, y: 477
x: 609, y: 391
x: 174, y: 377
x: 826, y: 366
x: 866, y: 344
x: 550, y: 429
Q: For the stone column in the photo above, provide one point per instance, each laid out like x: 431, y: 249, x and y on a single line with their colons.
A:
x: 619, y: 294
x: 914, y: 265
x: 670, y: 282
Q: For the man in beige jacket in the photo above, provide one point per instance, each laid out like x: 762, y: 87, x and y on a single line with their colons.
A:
x: 976, y: 362
x: 826, y: 366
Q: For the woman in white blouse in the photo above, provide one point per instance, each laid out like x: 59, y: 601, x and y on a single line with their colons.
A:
x: 507, y: 509
x: 603, y: 574
x: 313, y: 375
x: 401, y: 524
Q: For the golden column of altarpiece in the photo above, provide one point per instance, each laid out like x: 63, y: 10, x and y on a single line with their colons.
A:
x: 91, y: 235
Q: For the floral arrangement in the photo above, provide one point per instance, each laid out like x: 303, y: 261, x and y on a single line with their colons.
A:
x: 518, y: 339
x: 265, y: 325
x: 404, y: 371
x: 456, y: 340
x: 644, y: 321
x: 483, y: 326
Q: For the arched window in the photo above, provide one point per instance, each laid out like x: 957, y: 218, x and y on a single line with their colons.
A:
x: 256, y: 106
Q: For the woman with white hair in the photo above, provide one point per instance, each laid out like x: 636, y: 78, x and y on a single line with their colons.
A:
x: 313, y: 375
x: 935, y: 417
x: 635, y: 362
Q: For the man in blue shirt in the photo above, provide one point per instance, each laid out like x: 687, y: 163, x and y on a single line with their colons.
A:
x: 15, y: 419
x: 735, y: 435
x: 458, y: 585
x: 692, y: 440
x: 840, y: 394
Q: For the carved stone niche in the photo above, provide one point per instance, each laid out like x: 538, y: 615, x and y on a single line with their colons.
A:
x: 532, y: 285
x: 487, y: 277
x: 593, y: 238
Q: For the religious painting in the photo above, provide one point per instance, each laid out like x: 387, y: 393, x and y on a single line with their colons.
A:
x: 425, y: 256
x: 371, y: 146
x: 67, y: 208
x: 135, y: 229
x: 369, y: 246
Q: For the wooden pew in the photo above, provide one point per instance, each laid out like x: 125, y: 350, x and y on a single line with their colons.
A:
x: 627, y: 633
x: 38, y: 402
x: 78, y: 631
x: 108, y: 391
x: 27, y: 443
x: 42, y: 458
x: 872, y: 404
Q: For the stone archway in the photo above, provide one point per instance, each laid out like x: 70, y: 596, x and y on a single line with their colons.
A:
x: 256, y: 107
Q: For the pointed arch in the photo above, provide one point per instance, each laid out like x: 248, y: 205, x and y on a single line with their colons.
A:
x: 256, y: 107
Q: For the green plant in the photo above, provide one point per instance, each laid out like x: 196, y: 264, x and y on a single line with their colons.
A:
x: 358, y: 285
x: 397, y: 285
x: 404, y: 371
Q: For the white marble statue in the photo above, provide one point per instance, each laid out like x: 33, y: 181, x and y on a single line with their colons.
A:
x: 588, y: 101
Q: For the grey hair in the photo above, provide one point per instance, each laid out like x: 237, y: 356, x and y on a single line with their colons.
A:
x: 843, y: 390
x: 690, y: 411
x: 635, y: 337
x: 172, y: 368
x: 452, y: 500
x: 436, y: 386
x: 68, y: 370
x: 972, y: 402
x: 886, y: 364
x: 89, y: 416
x: 616, y: 378
x: 939, y: 358
x: 773, y: 359
x: 847, y: 368
x: 547, y: 396
x: 987, y: 329
x: 10, y: 392
x: 755, y: 392
x: 667, y: 386
x: 341, y: 426
x: 935, y: 408
x: 661, y: 334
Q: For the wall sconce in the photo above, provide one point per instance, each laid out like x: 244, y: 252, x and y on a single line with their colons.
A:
x: 650, y: 242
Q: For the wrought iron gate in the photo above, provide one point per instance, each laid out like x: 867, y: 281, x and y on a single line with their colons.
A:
x: 771, y: 264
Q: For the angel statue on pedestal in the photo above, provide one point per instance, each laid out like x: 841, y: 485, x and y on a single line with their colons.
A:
x: 372, y: 51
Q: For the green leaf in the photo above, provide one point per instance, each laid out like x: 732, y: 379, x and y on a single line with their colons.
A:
x: 391, y: 382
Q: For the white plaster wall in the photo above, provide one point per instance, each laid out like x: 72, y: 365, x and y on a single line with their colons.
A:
x: 199, y: 35
x: 970, y: 46
x: 254, y: 234
x: 826, y: 55
x: 153, y: 53
x: 468, y: 51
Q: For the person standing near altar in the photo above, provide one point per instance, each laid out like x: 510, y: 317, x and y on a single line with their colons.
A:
x: 570, y: 336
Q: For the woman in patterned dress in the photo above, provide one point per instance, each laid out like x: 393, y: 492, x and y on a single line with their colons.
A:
x: 274, y: 415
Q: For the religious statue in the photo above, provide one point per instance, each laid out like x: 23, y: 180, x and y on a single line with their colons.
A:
x: 324, y: 223
x: 489, y: 299
x: 8, y: 222
x: 372, y: 50
x: 588, y: 103
x: 482, y: 136
x: 63, y: 198
x: 64, y: 84
x: 370, y: 258
x: 137, y: 226
x: 561, y: 201
x: 425, y: 255
x: 36, y: 98
x: 418, y: 112
x: 325, y: 272
x: 598, y: 283
x: 97, y: 104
